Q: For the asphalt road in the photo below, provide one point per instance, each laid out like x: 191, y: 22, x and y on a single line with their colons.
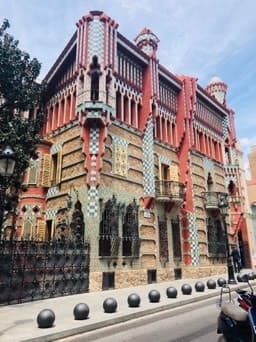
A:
x: 192, y: 323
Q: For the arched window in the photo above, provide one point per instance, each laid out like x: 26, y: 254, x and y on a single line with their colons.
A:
x: 130, y: 246
x: 109, y: 234
x: 95, y: 76
x: 27, y: 229
x: 232, y: 188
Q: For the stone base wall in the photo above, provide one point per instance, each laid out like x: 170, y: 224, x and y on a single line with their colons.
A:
x: 201, y: 272
x: 129, y: 278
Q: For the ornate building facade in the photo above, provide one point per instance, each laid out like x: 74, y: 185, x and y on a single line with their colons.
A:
x: 251, y: 186
x: 143, y: 154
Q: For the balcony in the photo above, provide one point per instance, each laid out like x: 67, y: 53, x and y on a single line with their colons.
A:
x: 235, y: 200
x: 215, y: 200
x: 96, y: 106
x: 210, y: 200
x: 170, y: 191
x: 231, y: 169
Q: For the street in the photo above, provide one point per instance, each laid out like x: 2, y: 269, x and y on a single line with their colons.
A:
x: 192, y: 323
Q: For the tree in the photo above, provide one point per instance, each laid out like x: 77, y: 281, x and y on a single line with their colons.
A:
x: 21, y: 102
x: 21, y: 108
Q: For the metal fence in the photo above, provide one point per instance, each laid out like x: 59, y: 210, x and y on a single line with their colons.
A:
x: 32, y: 270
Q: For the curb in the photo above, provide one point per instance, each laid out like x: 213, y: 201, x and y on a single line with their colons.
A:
x: 129, y: 316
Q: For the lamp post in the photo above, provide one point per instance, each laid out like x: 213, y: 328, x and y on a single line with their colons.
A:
x: 7, y: 164
x: 223, y: 207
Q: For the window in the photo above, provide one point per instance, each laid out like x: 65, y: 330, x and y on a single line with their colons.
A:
x: 130, y: 245
x: 54, y: 168
x: 216, y: 245
x: 176, y: 242
x: 27, y: 229
x: 51, y: 175
x: 33, y: 172
x: 116, y: 218
x: 163, y: 239
x: 95, y: 75
x: 108, y: 280
x: 151, y: 276
x: 109, y: 234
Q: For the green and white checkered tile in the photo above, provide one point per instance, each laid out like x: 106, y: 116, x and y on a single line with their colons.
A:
x: 148, y: 159
x: 51, y: 213
x: 93, y: 200
x: 94, y: 140
x: 96, y: 40
x: 194, y: 250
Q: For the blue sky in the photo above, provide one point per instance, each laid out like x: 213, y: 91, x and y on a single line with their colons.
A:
x: 201, y: 38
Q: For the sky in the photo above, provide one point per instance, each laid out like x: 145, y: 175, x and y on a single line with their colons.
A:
x: 201, y: 38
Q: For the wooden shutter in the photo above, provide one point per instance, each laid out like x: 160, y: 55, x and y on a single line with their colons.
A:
x: 59, y: 166
x: 120, y: 160
x: 41, y: 225
x: 174, y: 172
x: 46, y: 175
x: 33, y: 172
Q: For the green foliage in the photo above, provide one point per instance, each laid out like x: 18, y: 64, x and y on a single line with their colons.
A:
x: 19, y: 94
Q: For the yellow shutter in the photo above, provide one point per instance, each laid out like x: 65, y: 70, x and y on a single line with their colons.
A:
x: 174, y: 172
x: 46, y: 176
x: 41, y: 229
x: 120, y: 160
x: 59, y: 166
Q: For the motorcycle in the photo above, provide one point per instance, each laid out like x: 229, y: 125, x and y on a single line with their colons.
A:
x: 237, y: 322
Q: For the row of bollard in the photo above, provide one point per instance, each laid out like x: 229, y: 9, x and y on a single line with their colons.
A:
x: 46, y: 317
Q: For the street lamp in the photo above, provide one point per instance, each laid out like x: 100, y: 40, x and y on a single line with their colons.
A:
x: 223, y: 207
x: 7, y: 164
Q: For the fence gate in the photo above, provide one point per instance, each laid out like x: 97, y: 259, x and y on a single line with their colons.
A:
x: 32, y: 270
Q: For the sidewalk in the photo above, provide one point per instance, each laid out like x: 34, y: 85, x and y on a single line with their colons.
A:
x: 18, y: 322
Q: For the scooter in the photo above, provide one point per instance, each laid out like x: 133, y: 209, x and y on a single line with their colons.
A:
x: 234, y: 322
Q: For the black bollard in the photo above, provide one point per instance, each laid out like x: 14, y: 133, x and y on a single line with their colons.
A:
x: 199, y: 286
x: 186, y: 289
x: 239, y: 278
x: 81, y: 311
x: 133, y: 300
x: 221, y: 282
x: 110, y: 305
x: 211, y: 284
x: 154, y: 296
x: 171, y: 292
x: 45, y: 318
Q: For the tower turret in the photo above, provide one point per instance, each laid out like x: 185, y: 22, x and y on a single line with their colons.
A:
x: 147, y: 41
x: 218, y: 89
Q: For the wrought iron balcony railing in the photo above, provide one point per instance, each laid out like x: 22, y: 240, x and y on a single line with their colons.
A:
x: 170, y: 191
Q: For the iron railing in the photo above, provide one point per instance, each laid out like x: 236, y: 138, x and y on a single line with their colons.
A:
x: 171, y: 189
x: 33, y: 270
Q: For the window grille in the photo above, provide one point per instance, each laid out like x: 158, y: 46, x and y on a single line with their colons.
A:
x: 216, y: 245
x: 131, y: 242
x: 177, y: 255
x: 109, y: 237
x: 163, y: 239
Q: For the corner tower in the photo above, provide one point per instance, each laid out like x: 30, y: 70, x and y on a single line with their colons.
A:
x: 147, y: 41
x: 218, y: 89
